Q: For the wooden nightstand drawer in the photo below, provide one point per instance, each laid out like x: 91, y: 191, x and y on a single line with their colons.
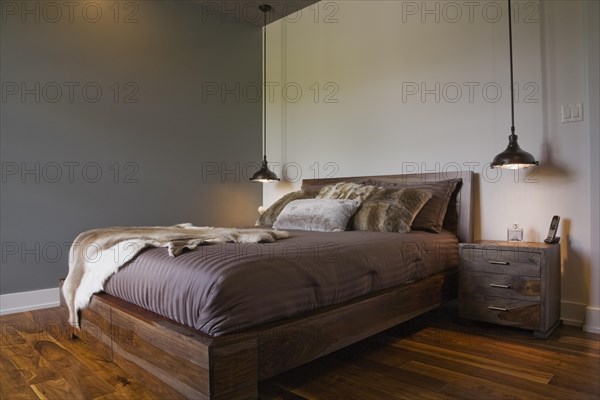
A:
x: 479, y: 285
x: 498, y: 310
x: 494, y: 260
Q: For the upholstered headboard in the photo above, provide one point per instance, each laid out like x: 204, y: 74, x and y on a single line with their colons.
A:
x: 459, y: 217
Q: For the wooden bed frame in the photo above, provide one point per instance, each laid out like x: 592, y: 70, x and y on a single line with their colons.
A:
x: 198, y: 366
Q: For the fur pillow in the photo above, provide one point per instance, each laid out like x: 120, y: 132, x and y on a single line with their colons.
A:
x: 317, y: 215
x: 389, y: 210
x: 270, y: 215
x: 345, y: 190
x: 431, y: 217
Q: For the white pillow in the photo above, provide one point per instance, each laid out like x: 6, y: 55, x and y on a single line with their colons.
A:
x: 322, y: 215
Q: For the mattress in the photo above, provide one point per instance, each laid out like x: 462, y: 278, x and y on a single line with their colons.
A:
x: 230, y: 287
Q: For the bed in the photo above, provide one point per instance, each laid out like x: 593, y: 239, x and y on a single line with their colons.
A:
x: 204, y: 357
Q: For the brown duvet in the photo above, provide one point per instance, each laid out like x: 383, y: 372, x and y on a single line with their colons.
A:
x: 231, y: 287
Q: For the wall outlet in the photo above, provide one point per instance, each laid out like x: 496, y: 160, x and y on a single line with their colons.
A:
x: 572, y: 113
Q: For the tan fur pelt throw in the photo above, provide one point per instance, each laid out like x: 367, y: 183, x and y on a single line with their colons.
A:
x: 97, y: 254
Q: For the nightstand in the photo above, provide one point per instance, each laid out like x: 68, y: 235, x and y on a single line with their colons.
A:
x: 511, y: 283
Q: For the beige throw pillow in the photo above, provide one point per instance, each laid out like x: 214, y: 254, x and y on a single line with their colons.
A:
x: 345, y: 190
x: 389, y: 210
x: 431, y: 217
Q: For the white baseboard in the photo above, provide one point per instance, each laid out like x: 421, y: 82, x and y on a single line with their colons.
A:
x: 27, y: 301
x: 581, y: 315
x: 592, y: 320
x: 572, y: 313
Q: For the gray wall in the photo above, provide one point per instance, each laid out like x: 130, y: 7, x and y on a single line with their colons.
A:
x: 148, y: 150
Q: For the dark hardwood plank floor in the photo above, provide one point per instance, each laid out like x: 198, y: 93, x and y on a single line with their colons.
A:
x: 435, y: 356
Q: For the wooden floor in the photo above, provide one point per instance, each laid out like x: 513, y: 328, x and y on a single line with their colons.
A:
x: 432, y: 357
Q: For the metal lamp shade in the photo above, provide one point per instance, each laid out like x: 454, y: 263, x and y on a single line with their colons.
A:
x: 264, y: 174
x: 513, y: 157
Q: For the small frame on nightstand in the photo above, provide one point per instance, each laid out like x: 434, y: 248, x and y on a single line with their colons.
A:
x: 511, y: 283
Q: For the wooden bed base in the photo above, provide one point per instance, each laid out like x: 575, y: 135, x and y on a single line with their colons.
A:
x: 198, y: 366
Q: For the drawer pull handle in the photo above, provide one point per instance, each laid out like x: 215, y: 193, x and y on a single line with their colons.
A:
x: 498, y: 308
x: 499, y: 262
x: 500, y: 286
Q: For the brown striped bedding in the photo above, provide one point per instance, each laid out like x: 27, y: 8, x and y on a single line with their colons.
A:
x: 231, y: 287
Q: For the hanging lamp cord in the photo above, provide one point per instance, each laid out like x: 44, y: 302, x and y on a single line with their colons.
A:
x: 512, y: 83
x: 265, y: 84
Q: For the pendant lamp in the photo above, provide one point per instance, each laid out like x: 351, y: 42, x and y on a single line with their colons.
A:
x: 264, y: 174
x: 513, y: 157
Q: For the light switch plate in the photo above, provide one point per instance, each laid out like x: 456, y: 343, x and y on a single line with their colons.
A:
x: 572, y: 113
